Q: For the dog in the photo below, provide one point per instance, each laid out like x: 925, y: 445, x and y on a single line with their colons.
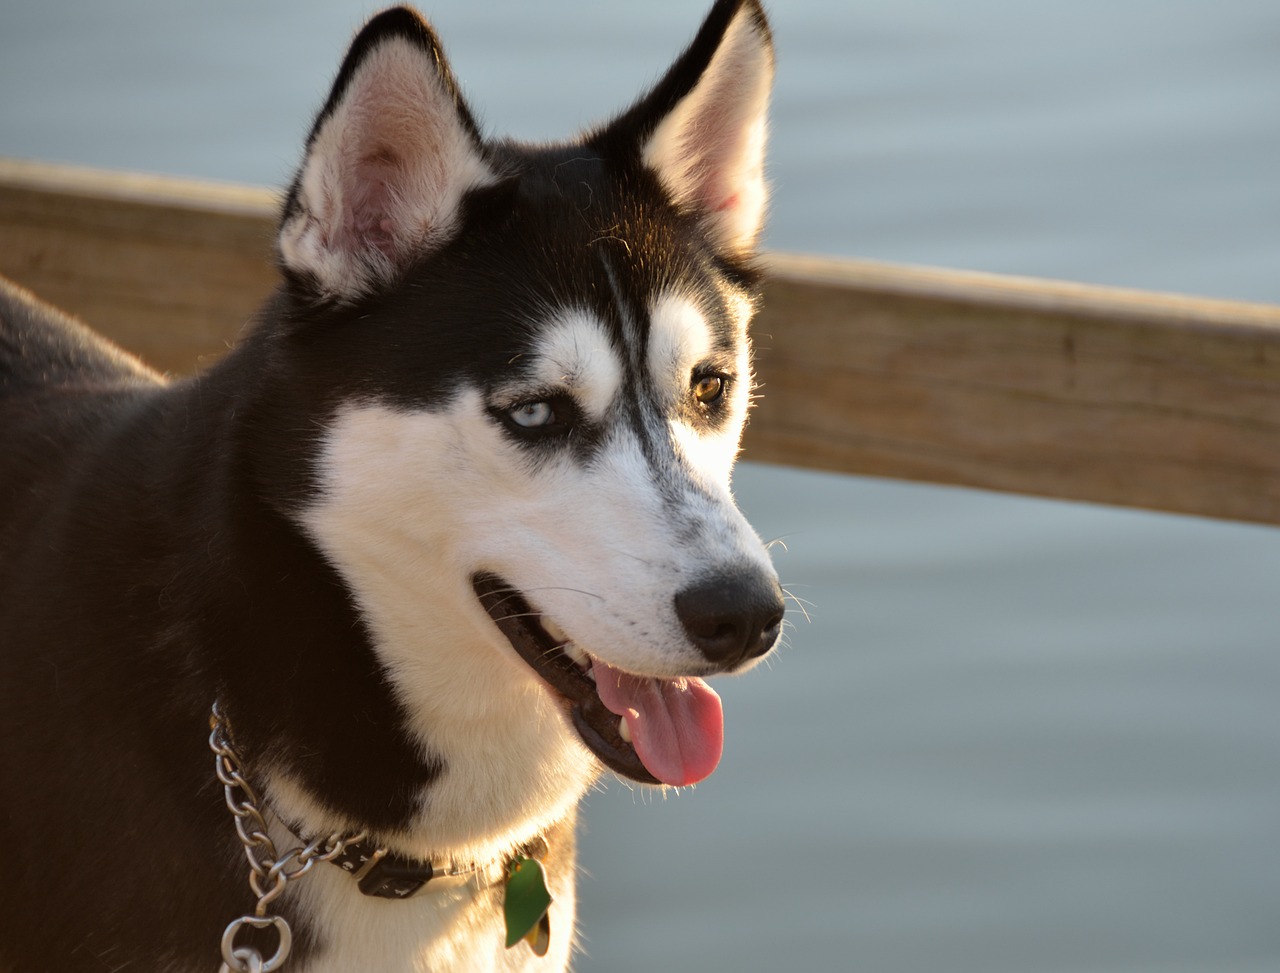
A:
x: 364, y: 609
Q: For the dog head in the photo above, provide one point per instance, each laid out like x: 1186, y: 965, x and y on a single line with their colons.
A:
x: 531, y: 369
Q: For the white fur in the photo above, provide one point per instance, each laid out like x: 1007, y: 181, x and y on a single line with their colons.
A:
x: 680, y: 340
x: 406, y: 493
x: 384, y: 176
x: 576, y: 357
x: 709, y: 151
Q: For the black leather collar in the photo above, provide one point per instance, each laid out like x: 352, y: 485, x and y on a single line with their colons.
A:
x: 386, y: 875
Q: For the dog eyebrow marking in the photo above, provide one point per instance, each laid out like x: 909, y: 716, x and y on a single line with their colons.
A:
x: 575, y: 353
x: 679, y: 338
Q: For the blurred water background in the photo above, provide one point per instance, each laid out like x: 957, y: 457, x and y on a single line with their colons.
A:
x: 1017, y: 736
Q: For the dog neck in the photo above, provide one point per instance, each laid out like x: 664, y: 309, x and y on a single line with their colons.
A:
x: 376, y: 871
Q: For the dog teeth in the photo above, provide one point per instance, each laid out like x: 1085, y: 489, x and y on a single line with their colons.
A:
x: 624, y: 731
x: 576, y: 654
x: 567, y: 646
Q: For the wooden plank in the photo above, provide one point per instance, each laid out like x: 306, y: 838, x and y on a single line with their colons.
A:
x: 171, y: 269
x: 1029, y: 386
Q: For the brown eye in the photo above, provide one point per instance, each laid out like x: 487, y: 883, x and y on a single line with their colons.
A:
x: 708, y: 388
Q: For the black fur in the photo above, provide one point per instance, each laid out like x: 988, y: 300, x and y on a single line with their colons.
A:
x: 150, y: 562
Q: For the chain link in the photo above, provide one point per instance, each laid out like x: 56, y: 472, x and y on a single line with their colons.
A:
x: 269, y: 871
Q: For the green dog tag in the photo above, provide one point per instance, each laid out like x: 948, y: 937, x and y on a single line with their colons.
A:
x: 525, y: 906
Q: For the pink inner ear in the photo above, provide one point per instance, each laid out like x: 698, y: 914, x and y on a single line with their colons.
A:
x: 371, y: 201
x: 730, y: 203
x: 385, y: 172
x: 710, y: 148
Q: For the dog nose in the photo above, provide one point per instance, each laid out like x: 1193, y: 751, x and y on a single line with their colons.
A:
x: 732, y: 617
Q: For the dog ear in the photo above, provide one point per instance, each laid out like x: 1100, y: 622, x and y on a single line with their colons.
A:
x: 702, y: 127
x: 387, y: 163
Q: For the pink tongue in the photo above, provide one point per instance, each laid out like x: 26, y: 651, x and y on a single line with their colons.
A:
x: 677, y: 725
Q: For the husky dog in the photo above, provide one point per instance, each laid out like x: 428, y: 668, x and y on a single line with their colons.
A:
x: 447, y: 534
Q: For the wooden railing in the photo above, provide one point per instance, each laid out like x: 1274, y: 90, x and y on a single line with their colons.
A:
x: 1031, y: 386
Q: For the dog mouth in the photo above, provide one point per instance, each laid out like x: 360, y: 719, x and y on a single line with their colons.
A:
x: 650, y: 730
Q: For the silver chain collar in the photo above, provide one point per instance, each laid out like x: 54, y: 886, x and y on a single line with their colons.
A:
x: 269, y: 871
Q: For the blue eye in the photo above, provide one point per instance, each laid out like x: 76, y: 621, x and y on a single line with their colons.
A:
x: 532, y: 415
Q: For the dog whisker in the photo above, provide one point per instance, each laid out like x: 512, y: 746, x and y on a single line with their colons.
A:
x: 576, y: 591
x: 635, y: 557
x: 508, y: 617
x: 799, y: 602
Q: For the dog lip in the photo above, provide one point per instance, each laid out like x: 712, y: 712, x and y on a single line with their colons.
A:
x: 596, y: 725
x: 518, y: 622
